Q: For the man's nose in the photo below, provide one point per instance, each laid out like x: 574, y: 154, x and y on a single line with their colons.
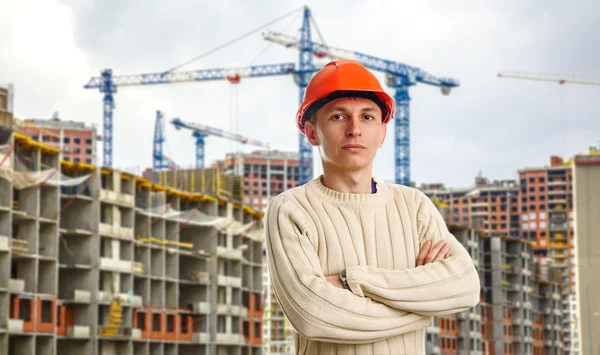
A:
x: 353, y: 128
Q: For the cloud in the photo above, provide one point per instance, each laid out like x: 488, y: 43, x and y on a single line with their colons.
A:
x: 488, y: 124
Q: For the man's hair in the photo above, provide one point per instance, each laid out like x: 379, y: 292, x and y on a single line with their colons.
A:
x: 311, y: 113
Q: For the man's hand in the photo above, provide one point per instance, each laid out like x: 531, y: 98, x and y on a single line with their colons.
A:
x: 334, y: 280
x: 427, y: 254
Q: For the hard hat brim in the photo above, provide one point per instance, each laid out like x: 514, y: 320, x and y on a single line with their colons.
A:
x: 387, y: 100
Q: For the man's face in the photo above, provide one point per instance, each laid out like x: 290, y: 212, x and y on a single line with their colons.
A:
x: 348, y: 132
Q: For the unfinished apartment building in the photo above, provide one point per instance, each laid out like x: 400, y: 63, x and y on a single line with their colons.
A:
x: 6, y: 118
x: 266, y: 174
x: 547, y: 220
x: 459, y: 333
x: 95, y: 261
x: 506, y: 263
x: 277, y: 329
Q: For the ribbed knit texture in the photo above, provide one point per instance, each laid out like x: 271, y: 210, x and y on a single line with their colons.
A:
x: 312, y: 232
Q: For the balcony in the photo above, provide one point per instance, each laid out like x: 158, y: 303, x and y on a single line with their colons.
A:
x: 229, y: 253
x: 229, y: 339
x: 80, y: 296
x: 120, y: 198
x: 433, y: 330
x: 136, y: 333
x: 16, y: 285
x: 132, y: 300
x: 199, y: 338
x: 78, y: 331
x: 105, y: 297
x: 474, y: 316
x: 229, y: 281
x: 111, y: 230
x: 479, y: 204
x: 228, y: 309
x: 4, y: 243
x: 200, y: 307
x: 116, y: 265
x: 15, y: 325
x: 558, y: 312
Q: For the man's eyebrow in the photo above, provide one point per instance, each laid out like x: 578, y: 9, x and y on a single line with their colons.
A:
x: 364, y: 109
x: 369, y: 109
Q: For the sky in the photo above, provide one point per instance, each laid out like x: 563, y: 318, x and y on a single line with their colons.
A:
x: 488, y: 125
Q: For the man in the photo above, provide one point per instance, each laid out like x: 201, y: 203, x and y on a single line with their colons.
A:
x: 360, y: 266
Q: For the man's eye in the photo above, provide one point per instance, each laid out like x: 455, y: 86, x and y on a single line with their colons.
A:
x: 369, y: 117
x: 337, y: 117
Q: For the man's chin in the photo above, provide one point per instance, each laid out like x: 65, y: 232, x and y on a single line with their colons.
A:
x: 352, y: 164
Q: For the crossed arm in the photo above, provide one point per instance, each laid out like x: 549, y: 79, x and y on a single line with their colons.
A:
x: 445, y: 280
x: 428, y: 254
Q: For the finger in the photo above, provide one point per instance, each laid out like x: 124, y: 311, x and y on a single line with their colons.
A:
x: 447, y: 255
x: 442, y: 254
x: 423, y: 252
x: 434, y: 252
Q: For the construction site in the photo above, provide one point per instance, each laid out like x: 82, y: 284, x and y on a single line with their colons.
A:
x: 103, y: 261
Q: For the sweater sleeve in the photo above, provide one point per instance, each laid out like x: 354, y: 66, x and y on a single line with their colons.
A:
x: 443, y: 287
x: 317, y: 309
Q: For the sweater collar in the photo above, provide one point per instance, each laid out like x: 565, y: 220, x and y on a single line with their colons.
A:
x: 380, y: 196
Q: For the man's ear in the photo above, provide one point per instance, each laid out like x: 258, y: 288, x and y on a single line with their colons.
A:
x: 383, y: 134
x: 311, y: 134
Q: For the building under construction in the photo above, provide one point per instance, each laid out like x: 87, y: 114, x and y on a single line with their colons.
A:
x: 513, y: 310
x: 97, y: 261
x: 6, y: 116
x: 267, y: 174
x: 519, y: 311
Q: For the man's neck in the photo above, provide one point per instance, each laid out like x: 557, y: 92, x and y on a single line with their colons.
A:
x: 356, y: 182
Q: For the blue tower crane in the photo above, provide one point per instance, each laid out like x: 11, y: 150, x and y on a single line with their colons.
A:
x: 107, y: 84
x: 399, y: 76
x: 201, y: 131
x: 159, y: 160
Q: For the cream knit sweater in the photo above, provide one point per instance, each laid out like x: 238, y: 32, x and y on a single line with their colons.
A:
x: 312, y: 232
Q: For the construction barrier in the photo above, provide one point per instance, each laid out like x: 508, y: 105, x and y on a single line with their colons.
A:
x: 61, y: 324
x: 22, y: 309
x: 64, y: 319
x: 157, y: 322
x: 141, y: 321
x: 46, y: 315
x: 171, y: 325
x: 163, y: 324
x: 186, y: 327
x: 206, y: 181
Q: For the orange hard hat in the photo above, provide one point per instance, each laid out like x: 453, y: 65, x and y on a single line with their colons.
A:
x: 344, y: 75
